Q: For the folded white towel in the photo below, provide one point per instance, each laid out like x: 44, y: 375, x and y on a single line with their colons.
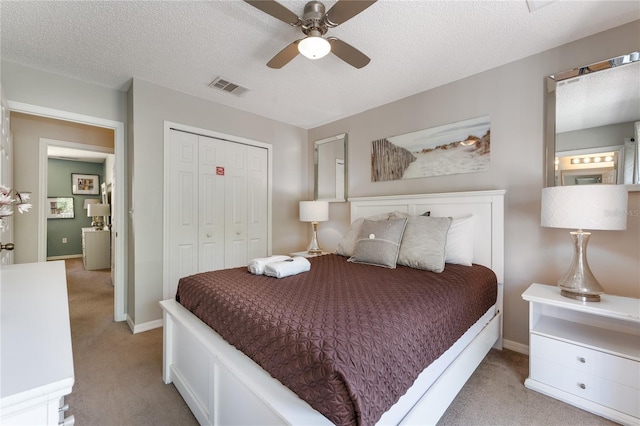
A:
x: 287, y: 268
x: 256, y: 266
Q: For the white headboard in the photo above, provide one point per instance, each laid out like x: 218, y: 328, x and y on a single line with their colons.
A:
x: 486, y: 206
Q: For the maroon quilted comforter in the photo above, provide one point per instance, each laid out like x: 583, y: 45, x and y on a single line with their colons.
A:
x: 348, y: 338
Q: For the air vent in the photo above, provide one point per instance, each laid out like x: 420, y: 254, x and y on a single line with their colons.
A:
x: 221, y: 84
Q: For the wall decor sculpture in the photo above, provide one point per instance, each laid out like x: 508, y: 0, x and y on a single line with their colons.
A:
x: 461, y: 147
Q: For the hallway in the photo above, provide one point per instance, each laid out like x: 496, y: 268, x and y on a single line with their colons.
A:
x: 118, y: 375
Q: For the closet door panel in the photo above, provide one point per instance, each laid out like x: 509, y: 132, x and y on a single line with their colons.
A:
x: 257, y: 219
x: 211, y: 254
x: 183, y: 208
x: 236, y: 205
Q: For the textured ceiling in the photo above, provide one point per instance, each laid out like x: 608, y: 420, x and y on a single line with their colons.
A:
x: 184, y: 45
x: 605, y: 97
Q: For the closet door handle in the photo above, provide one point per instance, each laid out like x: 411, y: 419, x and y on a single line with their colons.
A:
x: 209, y: 235
x: 582, y: 360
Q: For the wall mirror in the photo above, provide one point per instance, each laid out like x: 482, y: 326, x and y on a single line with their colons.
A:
x: 593, y: 124
x: 330, y: 158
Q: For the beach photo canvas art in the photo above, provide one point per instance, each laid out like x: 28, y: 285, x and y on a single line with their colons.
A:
x: 461, y: 147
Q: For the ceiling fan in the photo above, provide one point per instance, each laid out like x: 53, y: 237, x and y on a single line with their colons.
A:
x: 314, y: 23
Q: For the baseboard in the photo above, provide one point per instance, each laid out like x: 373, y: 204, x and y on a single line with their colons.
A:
x: 140, y: 328
x: 515, y: 346
x: 68, y: 256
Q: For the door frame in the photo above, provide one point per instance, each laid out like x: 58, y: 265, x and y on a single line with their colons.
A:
x: 168, y: 126
x: 119, y: 151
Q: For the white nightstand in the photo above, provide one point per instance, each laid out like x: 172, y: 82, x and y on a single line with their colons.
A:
x: 307, y: 254
x: 586, y: 353
x: 96, y: 248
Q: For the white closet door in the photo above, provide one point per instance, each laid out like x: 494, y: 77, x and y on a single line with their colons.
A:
x: 236, y: 205
x: 211, y: 209
x: 182, y: 208
x: 257, y: 202
x: 217, y: 205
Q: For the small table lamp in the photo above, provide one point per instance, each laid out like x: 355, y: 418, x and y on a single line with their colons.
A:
x: 98, y: 211
x: 88, y: 201
x: 595, y: 207
x: 314, y: 212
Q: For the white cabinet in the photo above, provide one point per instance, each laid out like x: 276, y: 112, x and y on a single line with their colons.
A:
x: 216, y: 205
x: 37, y: 360
x: 586, y: 353
x: 96, y: 248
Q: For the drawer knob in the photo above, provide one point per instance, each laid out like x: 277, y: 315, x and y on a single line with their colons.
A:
x: 582, y: 360
x: 582, y: 385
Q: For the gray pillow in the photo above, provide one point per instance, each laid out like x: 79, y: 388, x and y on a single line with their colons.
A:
x: 424, y: 241
x: 379, y: 242
x: 347, y: 244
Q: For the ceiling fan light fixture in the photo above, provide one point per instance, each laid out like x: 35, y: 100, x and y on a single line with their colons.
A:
x: 314, y: 47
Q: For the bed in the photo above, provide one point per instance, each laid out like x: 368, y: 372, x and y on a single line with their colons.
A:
x: 222, y: 385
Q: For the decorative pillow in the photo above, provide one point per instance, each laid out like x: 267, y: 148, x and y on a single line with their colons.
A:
x: 423, y: 243
x: 348, y: 243
x: 459, y: 247
x: 379, y: 242
x: 398, y: 215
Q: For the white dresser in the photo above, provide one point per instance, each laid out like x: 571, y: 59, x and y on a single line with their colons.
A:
x: 96, y: 248
x: 586, y: 353
x: 37, y: 360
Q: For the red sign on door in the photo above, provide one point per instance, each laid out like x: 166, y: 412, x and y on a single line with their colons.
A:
x: 220, y: 171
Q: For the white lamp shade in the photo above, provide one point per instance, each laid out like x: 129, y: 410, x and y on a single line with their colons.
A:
x: 314, y: 47
x: 99, y: 210
x: 588, y: 207
x: 88, y: 201
x: 314, y: 211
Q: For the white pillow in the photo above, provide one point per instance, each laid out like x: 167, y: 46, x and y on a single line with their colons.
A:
x: 459, y: 245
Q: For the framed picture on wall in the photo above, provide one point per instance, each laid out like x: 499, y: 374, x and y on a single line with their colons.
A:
x: 60, y: 208
x: 85, y: 184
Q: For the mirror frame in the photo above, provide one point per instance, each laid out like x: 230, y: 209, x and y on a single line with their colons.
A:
x: 317, y: 144
x: 551, y: 83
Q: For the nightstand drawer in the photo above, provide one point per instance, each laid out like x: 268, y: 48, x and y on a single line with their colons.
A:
x: 587, y: 361
x: 596, y: 389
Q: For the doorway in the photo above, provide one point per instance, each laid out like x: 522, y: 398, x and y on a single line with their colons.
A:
x: 119, y: 217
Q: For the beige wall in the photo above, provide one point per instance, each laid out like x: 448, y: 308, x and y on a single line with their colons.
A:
x: 513, y: 96
x: 27, y: 131
x: 150, y: 106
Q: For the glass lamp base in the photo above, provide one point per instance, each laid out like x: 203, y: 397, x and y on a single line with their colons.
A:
x: 579, y: 283
x: 314, y: 248
x: 580, y: 296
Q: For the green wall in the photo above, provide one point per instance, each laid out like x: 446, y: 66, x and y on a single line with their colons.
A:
x: 59, y: 185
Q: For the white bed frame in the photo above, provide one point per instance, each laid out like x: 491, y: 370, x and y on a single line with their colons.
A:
x: 222, y: 386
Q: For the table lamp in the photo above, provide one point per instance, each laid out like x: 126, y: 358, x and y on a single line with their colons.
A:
x: 593, y: 207
x: 88, y: 201
x: 98, y: 212
x: 314, y: 212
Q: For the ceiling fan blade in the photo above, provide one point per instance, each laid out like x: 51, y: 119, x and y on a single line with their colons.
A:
x: 348, y: 53
x: 344, y: 10
x: 285, y: 56
x: 275, y: 9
